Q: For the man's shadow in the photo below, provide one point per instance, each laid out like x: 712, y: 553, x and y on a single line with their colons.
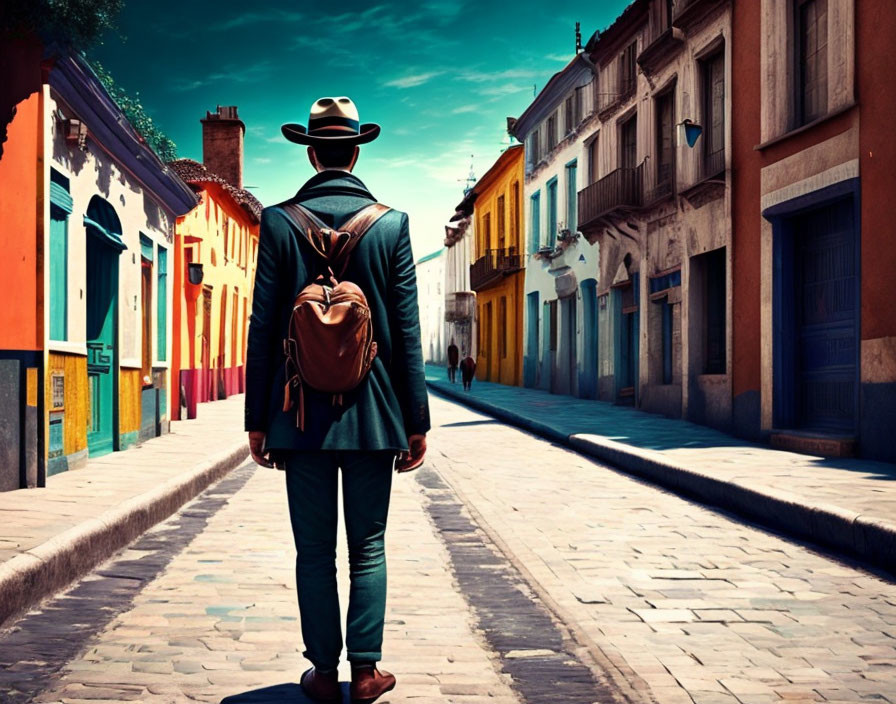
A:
x: 289, y: 692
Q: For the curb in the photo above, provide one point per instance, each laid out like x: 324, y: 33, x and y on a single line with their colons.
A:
x: 866, y: 537
x: 33, y: 575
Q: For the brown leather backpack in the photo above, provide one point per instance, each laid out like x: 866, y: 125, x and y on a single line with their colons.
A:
x: 329, y: 345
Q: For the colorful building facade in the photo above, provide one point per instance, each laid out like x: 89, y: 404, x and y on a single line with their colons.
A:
x: 496, y: 274
x: 95, y: 255
x: 815, y: 335
x: 460, y: 299
x: 214, y: 269
x: 560, y: 315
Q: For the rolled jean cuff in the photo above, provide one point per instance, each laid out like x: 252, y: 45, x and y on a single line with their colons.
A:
x: 371, y: 656
x: 320, y: 664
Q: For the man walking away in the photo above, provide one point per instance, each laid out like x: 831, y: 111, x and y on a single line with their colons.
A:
x: 314, y: 434
x: 452, y: 362
x: 467, y: 371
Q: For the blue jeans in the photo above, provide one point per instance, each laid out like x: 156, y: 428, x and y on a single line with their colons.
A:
x: 311, y: 488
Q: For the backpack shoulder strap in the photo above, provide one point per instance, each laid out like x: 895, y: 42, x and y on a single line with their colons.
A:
x: 356, y: 226
x: 309, y: 224
x: 364, y: 219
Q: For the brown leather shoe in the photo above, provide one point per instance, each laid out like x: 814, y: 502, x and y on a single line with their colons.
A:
x: 321, y: 687
x: 368, y: 684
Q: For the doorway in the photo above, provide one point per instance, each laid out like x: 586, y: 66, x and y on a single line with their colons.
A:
x: 826, y: 315
x: 102, y: 347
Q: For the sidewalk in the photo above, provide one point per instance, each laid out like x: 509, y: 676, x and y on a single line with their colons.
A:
x: 53, y: 535
x: 846, y: 504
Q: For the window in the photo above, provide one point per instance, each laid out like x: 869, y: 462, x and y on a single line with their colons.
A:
x: 486, y: 232
x: 162, y: 304
x: 579, y: 105
x: 551, y: 138
x: 666, y: 309
x: 811, y: 52
x: 146, y: 252
x: 533, y: 147
x: 571, y: 196
x: 552, y: 325
x: 660, y: 287
x: 502, y: 321
x: 60, y: 207
x: 627, y: 71
x: 569, y: 114
x: 502, y: 225
x: 535, y: 220
x: 628, y: 145
x: 714, y: 304
x: 593, y: 168
x: 714, y: 115
x: 664, y: 138
x: 552, y: 212
x: 515, y: 215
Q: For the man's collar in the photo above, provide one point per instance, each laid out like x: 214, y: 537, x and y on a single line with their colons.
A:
x: 333, y: 182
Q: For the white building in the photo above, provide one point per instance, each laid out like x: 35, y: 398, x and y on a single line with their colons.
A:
x: 431, y: 298
x: 560, y: 320
x: 460, y: 299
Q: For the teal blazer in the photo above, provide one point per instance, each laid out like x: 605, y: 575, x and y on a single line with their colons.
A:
x: 391, y: 402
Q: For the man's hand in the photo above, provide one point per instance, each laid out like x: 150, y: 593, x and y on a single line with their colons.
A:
x: 414, y: 457
x: 256, y: 447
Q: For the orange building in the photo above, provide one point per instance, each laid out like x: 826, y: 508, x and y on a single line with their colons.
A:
x: 215, y: 252
x: 89, y: 213
x: 497, y: 271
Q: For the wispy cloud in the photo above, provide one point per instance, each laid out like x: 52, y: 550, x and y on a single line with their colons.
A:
x: 413, y: 80
x: 465, y: 108
x: 565, y: 58
x: 494, y: 76
x: 505, y: 89
x: 249, y: 18
x: 262, y: 160
x: 238, y: 74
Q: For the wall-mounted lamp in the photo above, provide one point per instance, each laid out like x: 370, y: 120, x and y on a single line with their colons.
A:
x: 691, y: 131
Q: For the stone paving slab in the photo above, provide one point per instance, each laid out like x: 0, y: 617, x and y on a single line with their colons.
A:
x: 51, y: 535
x: 220, y: 623
x: 849, y: 504
x: 700, y: 605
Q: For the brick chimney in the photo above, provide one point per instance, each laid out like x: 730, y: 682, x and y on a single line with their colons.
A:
x: 222, y: 144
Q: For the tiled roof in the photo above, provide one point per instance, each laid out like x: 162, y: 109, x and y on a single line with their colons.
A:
x: 193, y: 172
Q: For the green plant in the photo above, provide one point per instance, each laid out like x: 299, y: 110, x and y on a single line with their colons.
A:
x: 77, y: 23
x: 136, y: 114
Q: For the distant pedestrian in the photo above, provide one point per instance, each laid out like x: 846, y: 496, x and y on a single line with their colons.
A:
x: 452, y: 362
x: 467, y: 370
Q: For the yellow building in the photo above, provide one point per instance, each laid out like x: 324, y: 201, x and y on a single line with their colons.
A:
x: 497, y: 271
x: 217, y: 245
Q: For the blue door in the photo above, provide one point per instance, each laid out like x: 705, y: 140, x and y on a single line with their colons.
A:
x: 530, y: 367
x: 588, y: 377
x: 826, y: 298
x: 102, y: 330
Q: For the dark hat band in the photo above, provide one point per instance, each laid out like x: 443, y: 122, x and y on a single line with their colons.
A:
x: 334, y: 121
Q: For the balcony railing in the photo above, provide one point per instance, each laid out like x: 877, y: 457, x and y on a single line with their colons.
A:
x: 622, y: 189
x: 495, y: 264
x: 459, y: 306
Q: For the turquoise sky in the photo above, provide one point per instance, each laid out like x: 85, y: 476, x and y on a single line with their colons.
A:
x: 440, y: 77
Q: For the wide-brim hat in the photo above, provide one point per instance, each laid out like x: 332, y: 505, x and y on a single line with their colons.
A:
x: 332, y: 120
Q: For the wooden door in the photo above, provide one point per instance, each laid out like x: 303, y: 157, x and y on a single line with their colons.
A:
x: 102, y: 339
x: 826, y: 318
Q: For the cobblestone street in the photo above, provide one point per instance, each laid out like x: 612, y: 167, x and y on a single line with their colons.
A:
x: 519, y: 571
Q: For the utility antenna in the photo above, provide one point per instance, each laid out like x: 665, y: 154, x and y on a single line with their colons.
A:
x: 578, y: 37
